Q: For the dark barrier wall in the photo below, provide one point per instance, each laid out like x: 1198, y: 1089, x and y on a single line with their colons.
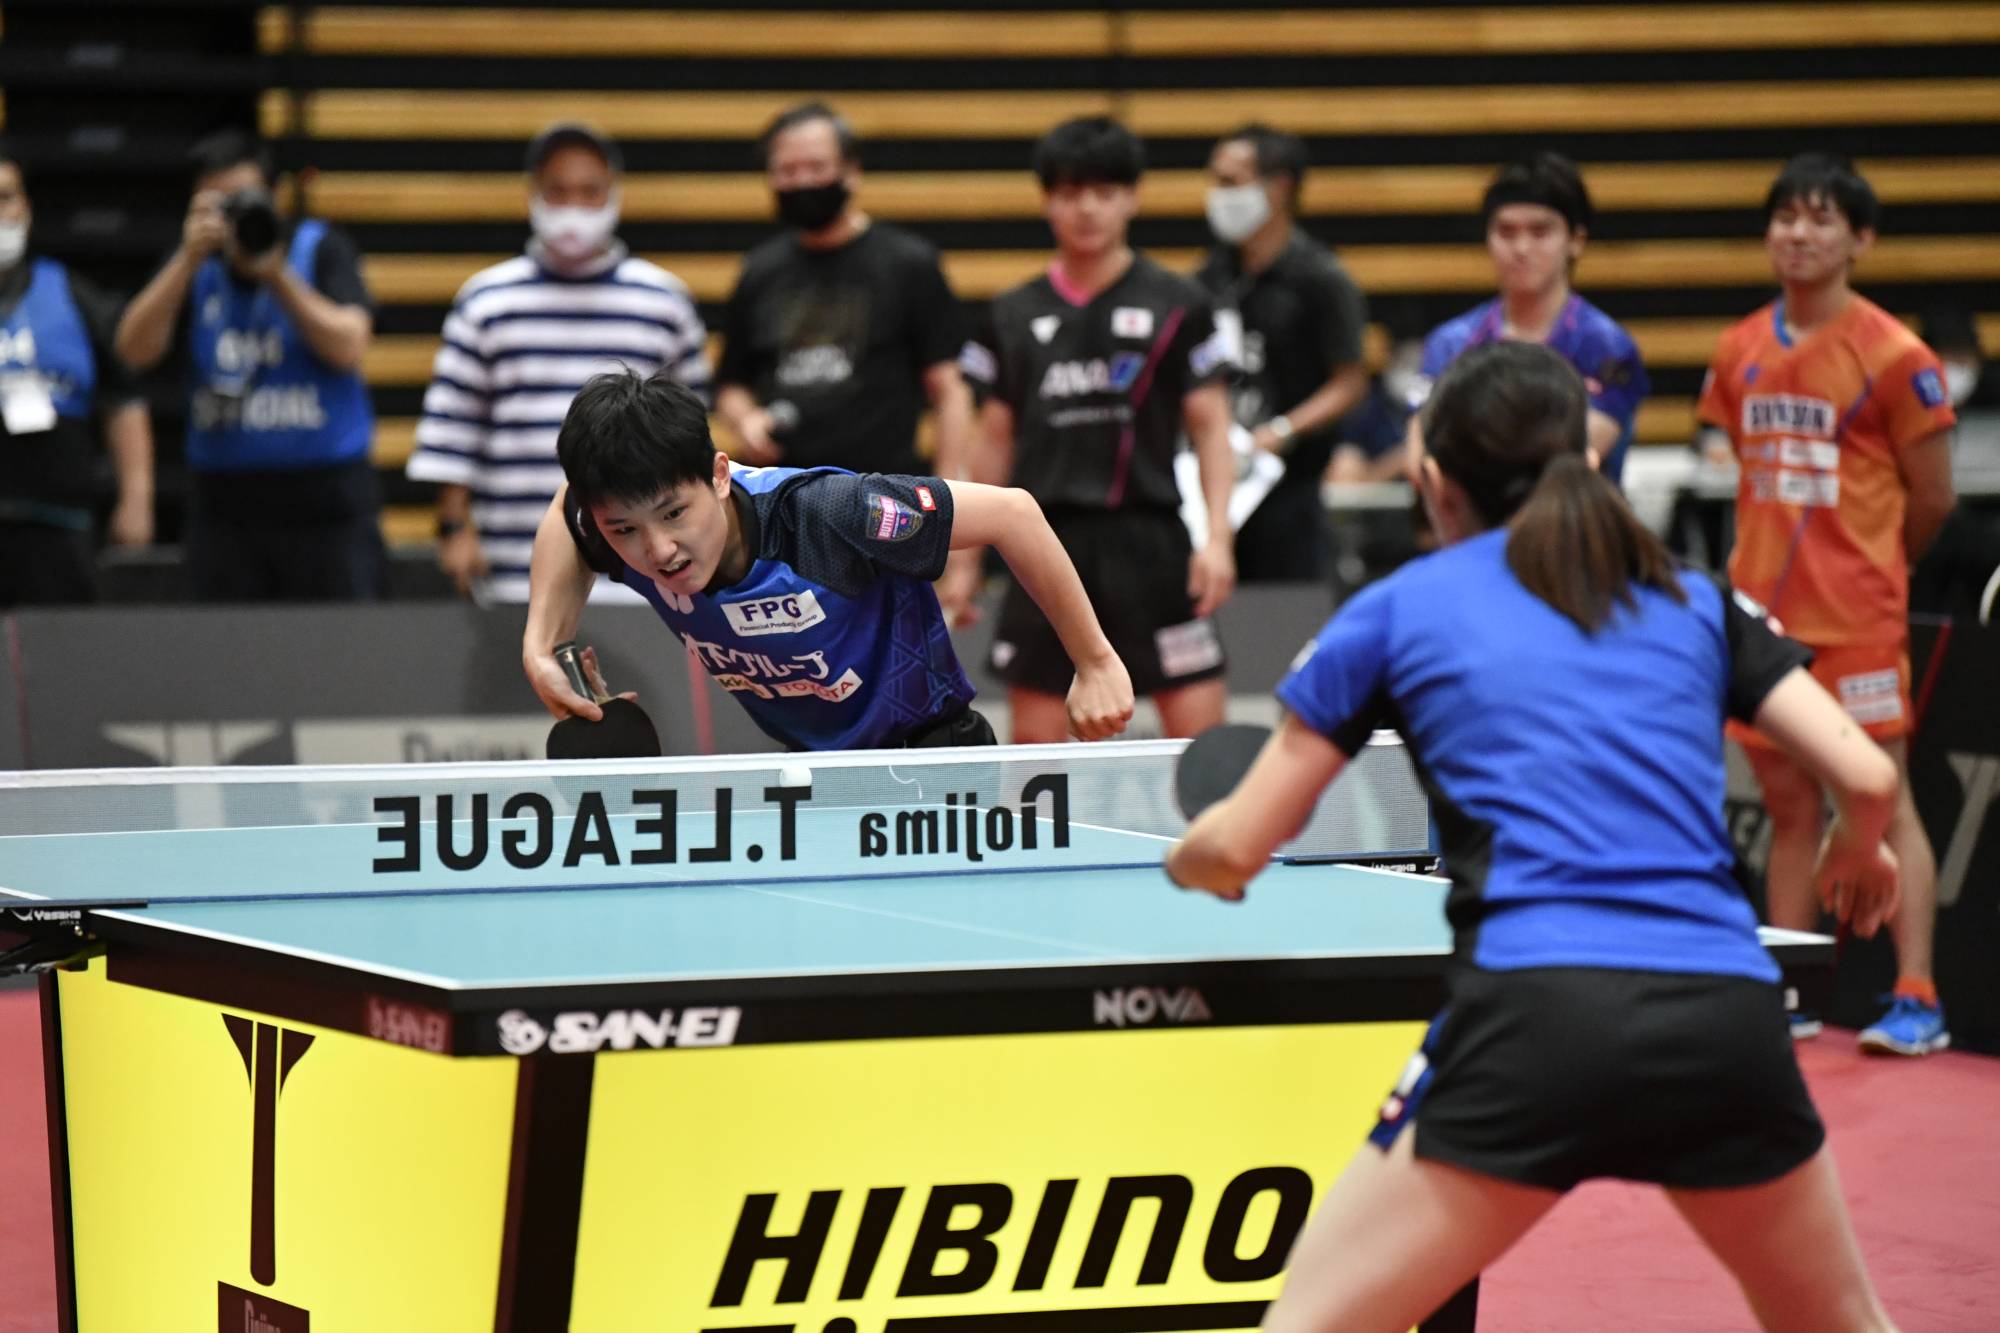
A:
x: 402, y: 682
x: 442, y: 681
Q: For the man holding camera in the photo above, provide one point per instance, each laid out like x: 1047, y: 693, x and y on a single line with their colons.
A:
x: 284, y: 503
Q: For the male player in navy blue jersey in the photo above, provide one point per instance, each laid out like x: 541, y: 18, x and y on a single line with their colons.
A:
x: 805, y: 592
x: 1537, y: 218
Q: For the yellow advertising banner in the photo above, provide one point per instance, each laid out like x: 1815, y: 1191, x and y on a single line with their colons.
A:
x: 1075, y: 1181
x: 231, y: 1171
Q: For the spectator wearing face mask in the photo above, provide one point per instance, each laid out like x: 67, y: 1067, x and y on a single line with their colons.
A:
x: 62, y: 390
x: 521, y: 339
x: 842, y: 330
x: 1301, y: 319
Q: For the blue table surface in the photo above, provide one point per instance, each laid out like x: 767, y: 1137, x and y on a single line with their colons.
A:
x: 310, y: 891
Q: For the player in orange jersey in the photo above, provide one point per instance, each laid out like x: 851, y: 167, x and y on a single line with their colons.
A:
x: 1842, y: 429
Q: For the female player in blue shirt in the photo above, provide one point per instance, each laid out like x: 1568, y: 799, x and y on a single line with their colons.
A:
x: 1562, y: 687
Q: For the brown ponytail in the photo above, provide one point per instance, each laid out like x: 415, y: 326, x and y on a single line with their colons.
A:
x: 1575, y: 544
x: 1507, y: 423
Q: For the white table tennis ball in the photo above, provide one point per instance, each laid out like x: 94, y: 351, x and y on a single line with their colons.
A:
x: 794, y: 775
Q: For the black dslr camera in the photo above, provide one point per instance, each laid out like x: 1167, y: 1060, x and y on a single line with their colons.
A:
x: 254, y: 220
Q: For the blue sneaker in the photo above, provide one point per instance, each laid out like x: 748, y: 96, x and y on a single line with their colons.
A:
x: 1911, y: 1027
x: 1805, y: 1024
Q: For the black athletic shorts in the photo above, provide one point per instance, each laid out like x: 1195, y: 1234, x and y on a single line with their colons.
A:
x: 1554, y: 1076
x: 1134, y: 567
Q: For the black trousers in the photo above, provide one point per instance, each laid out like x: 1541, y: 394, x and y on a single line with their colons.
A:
x: 41, y: 565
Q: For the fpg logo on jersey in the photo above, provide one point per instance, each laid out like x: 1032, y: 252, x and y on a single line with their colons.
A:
x: 774, y: 615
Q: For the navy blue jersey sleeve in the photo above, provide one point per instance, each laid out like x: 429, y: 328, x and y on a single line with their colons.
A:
x: 1338, y: 686
x: 846, y: 530
x: 1759, y: 654
x: 1614, y: 373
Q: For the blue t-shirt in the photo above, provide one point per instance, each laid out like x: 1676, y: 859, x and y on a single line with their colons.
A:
x: 834, y: 639
x: 1576, y: 779
x: 1602, y: 352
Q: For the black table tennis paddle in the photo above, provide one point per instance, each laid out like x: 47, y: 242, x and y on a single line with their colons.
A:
x: 1213, y: 763
x: 625, y: 733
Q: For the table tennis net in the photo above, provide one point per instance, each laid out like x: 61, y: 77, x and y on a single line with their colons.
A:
x: 1376, y: 807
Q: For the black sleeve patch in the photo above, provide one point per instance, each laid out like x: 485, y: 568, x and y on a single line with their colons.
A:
x: 590, y: 543
x: 845, y: 530
x: 1759, y: 653
x: 1375, y: 713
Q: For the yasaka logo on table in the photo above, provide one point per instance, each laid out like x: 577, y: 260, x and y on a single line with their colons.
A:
x: 584, y: 1033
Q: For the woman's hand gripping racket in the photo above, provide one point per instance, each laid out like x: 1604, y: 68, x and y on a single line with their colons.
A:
x: 625, y: 731
x: 1858, y: 881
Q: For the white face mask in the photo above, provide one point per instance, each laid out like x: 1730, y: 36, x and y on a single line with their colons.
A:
x: 573, y: 233
x: 1236, y: 211
x: 1960, y: 379
x: 13, y: 242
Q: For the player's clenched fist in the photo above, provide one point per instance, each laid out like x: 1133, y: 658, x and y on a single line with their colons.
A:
x: 1100, y: 700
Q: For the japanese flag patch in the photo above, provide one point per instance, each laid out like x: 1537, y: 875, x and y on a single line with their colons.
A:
x: 890, y: 520
x: 924, y: 500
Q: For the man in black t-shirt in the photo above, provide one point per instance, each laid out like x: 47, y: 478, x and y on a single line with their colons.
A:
x: 61, y: 387
x: 1090, y: 374
x: 842, y: 330
x: 1302, y: 319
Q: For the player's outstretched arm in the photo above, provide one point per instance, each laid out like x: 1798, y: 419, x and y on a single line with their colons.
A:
x: 1009, y: 520
x: 1232, y: 840
x: 559, y: 584
x: 1856, y: 874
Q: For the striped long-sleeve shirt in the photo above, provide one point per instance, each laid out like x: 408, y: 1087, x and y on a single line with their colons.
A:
x: 519, y: 342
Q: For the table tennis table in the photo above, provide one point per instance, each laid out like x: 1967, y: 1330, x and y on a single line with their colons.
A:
x: 848, y: 1044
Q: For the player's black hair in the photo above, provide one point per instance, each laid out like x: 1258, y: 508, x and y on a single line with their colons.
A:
x: 1813, y: 178
x: 1278, y: 153
x: 1089, y: 150
x: 1544, y: 178
x: 1508, y: 424
x: 218, y: 152
x: 629, y: 437
x: 804, y: 114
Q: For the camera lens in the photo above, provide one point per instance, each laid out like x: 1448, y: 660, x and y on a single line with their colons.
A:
x: 254, y: 220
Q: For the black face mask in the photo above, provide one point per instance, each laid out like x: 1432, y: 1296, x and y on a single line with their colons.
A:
x: 812, y: 208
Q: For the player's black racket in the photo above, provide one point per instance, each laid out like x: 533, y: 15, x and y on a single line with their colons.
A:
x: 1213, y: 763
x: 625, y: 733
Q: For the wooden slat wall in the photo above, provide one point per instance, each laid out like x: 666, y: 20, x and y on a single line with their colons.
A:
x: 412, y: 118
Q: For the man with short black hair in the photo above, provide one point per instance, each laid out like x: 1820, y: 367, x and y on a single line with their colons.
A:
x: 61, y: 386
x: 842, y: 330
x: 522, y: 337
x: 1091, y: 373
x: 1842, y: 427
x: 1538, y: 217
x: 285, y: 502
x: 1302, y: 320
x: 805, y: 592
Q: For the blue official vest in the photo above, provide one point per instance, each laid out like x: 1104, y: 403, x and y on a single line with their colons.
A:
x: 46, y: 334
x: 814, y: 668
x: 262, y: 400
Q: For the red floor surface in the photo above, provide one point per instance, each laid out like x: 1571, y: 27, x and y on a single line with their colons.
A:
x: 1918, y: 1145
